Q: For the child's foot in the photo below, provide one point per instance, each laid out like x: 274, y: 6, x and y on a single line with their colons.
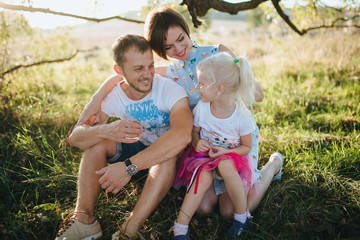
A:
x: 181, y: 237
x: 180, y: 230
x: 281, y: 158
x: 238, y: 229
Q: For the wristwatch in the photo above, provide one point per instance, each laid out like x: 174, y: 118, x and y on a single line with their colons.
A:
x: 131, y: 168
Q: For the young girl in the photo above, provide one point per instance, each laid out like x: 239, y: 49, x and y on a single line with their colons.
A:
x: 222, y: 140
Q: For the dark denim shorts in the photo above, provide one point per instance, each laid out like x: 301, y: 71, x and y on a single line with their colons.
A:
x: 127, y: 150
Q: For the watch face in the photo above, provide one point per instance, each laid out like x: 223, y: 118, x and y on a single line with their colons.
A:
x: 131, y: 169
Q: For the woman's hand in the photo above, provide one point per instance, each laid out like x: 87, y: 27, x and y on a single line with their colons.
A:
x: 91, y: 110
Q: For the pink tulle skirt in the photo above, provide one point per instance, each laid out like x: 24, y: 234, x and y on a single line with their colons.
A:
x: 192, y: 163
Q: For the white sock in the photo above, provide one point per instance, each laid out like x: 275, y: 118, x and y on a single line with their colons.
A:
x: 240, y: 217
x: 180, y: 229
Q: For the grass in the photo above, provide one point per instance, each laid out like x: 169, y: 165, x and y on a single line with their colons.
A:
x: 310, y: 114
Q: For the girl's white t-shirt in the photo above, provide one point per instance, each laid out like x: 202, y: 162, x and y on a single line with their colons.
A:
x: 225, y: 132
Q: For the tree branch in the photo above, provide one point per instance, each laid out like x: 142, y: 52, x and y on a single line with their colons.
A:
x: 192, y: 11
x: 330, y: 7
x: 332, y: 25
x: 303, y: 31
x: 234, y: 8
x: 46, y: 10
x: 201, y: 7
x: 14, y: 68
x: 286, y: 17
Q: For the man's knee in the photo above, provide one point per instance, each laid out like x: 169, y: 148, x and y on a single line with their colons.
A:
x: 162, y: 175
x: 105, y: 148
x: 165, y: 170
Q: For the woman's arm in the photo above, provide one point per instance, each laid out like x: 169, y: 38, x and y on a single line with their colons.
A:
x: 161, y: 71
x: 93, y: 108
x: 223, y: 48
x: 259, y: 94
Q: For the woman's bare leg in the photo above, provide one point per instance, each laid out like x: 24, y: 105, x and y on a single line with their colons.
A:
x: 270, y: 169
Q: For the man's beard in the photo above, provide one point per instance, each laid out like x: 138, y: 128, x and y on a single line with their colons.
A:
x: 138, y: 89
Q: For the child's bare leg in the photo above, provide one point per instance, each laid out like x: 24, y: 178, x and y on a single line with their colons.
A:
x: 192, y: 201
x: 235, y: 191
x: 208, y: 202
x: 234, y: 186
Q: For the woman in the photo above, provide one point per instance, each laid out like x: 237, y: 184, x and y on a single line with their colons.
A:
x: 169, y: 36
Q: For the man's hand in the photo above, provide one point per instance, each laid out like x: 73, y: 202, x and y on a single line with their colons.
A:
x: 125, y: 131
x: 202, y: 146
x: 114, y: 177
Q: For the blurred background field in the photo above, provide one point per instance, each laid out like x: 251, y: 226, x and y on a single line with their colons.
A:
x: 310, y: 114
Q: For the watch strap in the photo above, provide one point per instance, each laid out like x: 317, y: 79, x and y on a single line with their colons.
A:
x: 131, y: 168
x: 127, y: 162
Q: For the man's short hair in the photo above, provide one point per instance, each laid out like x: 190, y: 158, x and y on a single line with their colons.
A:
x: 123, y: 43
x: 158, y: 23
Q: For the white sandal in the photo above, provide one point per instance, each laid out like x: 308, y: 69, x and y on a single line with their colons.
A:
x: 279, y: 156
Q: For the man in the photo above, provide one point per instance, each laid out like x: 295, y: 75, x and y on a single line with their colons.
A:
x: 156, y: 125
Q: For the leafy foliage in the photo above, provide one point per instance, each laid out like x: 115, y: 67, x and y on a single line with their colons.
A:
x: 317, y: 12
x: 259, y: 17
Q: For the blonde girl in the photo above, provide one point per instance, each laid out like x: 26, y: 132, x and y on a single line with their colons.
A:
x: 222, y: 140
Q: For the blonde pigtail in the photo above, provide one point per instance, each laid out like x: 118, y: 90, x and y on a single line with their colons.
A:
x: 246, y: 89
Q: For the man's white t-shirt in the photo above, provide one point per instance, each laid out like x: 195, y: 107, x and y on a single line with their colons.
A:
x: 152, y: 112
x: 225, y: 132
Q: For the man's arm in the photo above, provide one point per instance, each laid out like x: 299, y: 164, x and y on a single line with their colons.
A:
x: 167, y: 146
x: 171, y: 142
x: 86, y: 135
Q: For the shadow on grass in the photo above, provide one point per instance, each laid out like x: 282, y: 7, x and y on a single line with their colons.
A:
x: 294, y: 210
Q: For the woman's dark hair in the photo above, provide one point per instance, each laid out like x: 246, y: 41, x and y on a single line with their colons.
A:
x: 158, y: 23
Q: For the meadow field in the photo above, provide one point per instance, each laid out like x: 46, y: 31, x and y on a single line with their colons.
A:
x: 310, y: 113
